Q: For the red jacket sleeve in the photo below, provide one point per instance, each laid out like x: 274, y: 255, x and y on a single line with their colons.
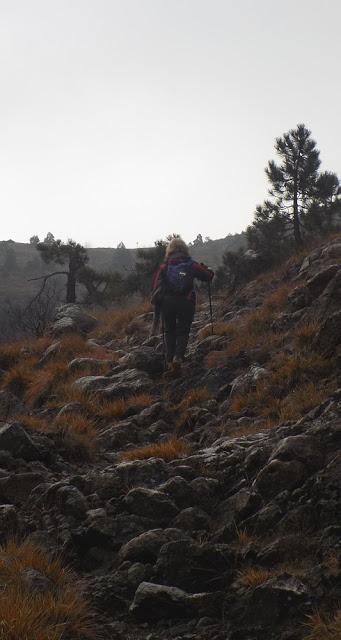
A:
x: 202, y: 272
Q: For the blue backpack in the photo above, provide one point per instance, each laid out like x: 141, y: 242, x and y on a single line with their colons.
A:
x: 179, y: 277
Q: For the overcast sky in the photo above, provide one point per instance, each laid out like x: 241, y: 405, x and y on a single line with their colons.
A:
x: 127, y: 120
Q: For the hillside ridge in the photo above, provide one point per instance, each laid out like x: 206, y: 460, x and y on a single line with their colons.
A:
x: 203, y: 506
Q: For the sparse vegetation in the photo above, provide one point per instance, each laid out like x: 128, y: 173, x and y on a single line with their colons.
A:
x: 54, y: 613
x: 168, y: 450
x: 113, y: 323
x: 113, y: 409
x: 321, y: 627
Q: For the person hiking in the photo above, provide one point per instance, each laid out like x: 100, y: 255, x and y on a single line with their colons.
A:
x: 173, y: 295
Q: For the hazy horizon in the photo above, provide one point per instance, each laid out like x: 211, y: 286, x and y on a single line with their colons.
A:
x: 130, y: 121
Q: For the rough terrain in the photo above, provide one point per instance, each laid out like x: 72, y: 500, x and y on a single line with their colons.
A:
x: 228, y: 526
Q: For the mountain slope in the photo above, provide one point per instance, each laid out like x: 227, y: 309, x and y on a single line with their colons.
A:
x: 204, y: 506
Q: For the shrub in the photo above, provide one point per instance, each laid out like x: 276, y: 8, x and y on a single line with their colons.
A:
x: 58, y: 612
x: 168, y: 450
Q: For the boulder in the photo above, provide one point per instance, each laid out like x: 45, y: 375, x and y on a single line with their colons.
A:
x: 151, y: 504
x: 280, y: 475
x: 156, y: 601
x: 144, y: 358
x: 192, y: 566
x: 93, y: 364
x: 18, y: 487
x: 247, y: 381
x: 13, y: 438
x: 145, y: 547
x: 271, y: 603
x: 329, y: 335
x: 72, y: 318
x: 303, y: 448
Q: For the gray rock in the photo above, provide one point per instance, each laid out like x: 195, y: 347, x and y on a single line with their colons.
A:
x: 145, y: 359
x: 71, y: 502
x: 145, y: 547
x: 50, y: 352
x: 180, y: 561
x: 329, y: 335
x: 35, y: 582
x: 192, y: 519
x: 94, y: 364
x: 151, y: 504
x: 8, y: 519
x: 155, y: 602
x: 279, y: 475
x: 272, y: 602
x: 17, y: 488
x: 71, y: 317
x: 246, y: 381
x: 303, y: 448
x: 13, y: 438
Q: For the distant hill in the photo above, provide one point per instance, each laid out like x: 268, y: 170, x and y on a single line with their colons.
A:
x: 21, y: 262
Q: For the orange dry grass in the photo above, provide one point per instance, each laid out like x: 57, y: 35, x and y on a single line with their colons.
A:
x: 18, y: 378
x: 12, y: 352
x: 78, y: 432
x: 322, y: 629
x: 290, y: 391
x: 112, y: 409
x: 219, y: 329
x: 51, y: 615
x: 168, y: 450
x: 252, y: 577
x: 303, y: 399
x: 44, y: 380
x: 35, y: 423
x: 113, y: 323
x: 194, y: 397
x: 305, y: 334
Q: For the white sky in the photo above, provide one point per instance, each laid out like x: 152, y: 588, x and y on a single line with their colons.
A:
x: 131, y: 119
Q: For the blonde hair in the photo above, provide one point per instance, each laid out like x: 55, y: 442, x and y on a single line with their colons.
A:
x: 177, y: 245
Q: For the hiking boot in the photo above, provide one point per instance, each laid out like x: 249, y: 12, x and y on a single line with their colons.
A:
x: 173, y: 370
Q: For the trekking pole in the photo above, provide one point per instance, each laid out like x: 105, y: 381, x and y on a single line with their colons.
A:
x: 163, y: 343
x: 210, y: 301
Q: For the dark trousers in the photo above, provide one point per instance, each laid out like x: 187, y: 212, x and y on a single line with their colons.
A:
x: 178, y: 314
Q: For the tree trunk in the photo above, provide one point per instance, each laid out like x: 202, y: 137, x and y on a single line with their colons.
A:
x: 297, y: 229
x: 71, y: 287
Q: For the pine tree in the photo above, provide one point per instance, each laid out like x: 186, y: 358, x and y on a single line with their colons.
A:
x: 71, y: 254
x: 293, y: 181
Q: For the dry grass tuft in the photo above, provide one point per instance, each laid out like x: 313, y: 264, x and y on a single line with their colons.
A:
x: 252, y: 577
x: 243, y: 537
x: 113, y: 409
x: 55, y: 613
x: 219, y: 329
x: 79, y: 434
x: 17, y: 379
x: 319, y: 628
x: 44, y: 381
x: 304, y: 335
x: 291, y: 390
x: 113, y: 323
x: 36, y: 423
x: 12, y: 352
x: 194, y: 397
x: 168, y: 450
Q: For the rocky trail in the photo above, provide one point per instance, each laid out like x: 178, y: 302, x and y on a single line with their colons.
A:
x: 210, y: 509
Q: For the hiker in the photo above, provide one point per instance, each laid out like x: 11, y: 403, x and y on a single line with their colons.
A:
x: 174, y: 297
